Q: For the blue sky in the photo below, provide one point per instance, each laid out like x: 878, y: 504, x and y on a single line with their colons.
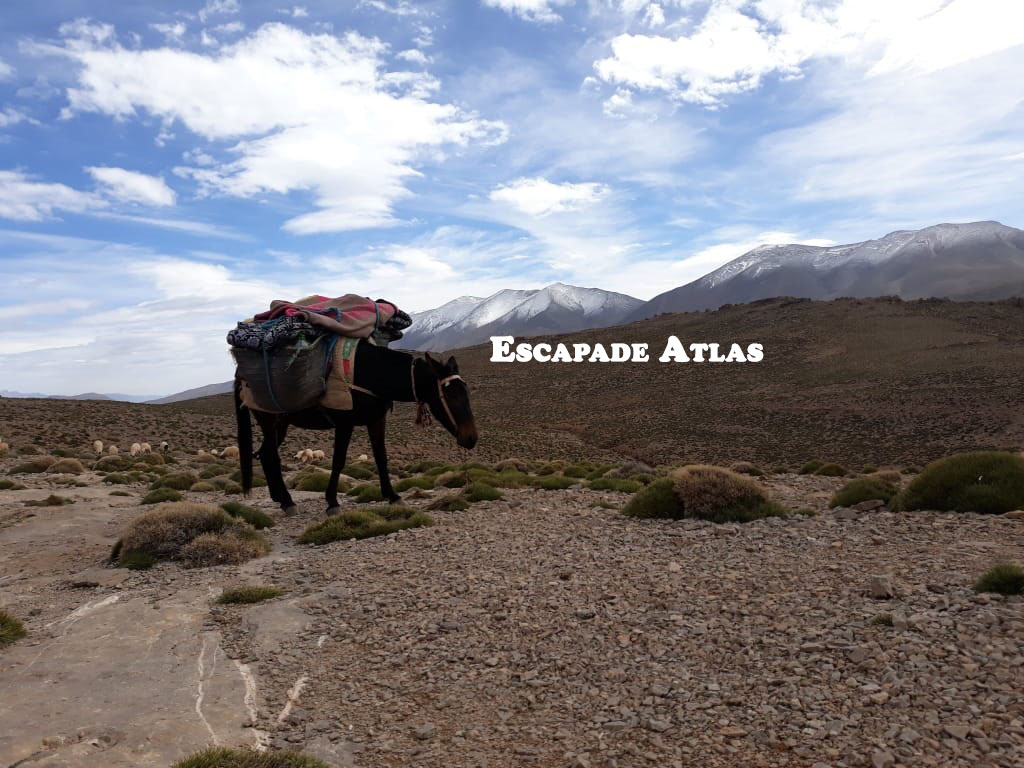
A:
x: 166, y: 168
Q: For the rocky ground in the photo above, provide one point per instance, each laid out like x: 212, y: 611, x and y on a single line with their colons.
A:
x: 544, y: 629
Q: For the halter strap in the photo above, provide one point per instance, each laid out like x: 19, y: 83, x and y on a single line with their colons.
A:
x: 440, y: 393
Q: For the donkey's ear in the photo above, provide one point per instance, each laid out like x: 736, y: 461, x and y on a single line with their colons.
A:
x: 434, y: 364
x: 452, y: 365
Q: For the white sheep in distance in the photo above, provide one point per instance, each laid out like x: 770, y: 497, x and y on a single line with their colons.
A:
x: 319, y: 455
x: 164, y: 446
x: 231, y: 452
x: 214, y: 452
x: 135, y: 450
x: 146, y: 448
x: 112, y: 450
x: 305, y: 455
x: 98, y: 446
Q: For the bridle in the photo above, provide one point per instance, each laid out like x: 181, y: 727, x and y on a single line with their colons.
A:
x: 423, y: 411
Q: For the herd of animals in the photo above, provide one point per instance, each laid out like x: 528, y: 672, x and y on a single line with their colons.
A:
x: 305, y: 456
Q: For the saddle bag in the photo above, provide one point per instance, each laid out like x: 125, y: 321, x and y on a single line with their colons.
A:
x: 286, y: 378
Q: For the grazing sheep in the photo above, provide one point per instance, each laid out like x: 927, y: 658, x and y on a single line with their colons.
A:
x: 363, y: 457
x: 319, y: 455
x: 112, y: 450
x: 231, y: 452
x: 4, y: 447
x: 164, y: 445
x: 200, y: 452
x: 98, y: 446
x: 305, y: 455
x: 135, y: 450
x: 214, y: 452
x: 146, y: 448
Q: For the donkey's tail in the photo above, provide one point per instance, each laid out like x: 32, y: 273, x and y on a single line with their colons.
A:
x: 244, y: 438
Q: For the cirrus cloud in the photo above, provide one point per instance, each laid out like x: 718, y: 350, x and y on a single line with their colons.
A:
x: 132, y: 186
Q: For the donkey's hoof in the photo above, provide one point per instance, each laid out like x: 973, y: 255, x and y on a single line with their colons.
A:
x: 333, y: 511
x: 290, y: 511
x: 394, y: 498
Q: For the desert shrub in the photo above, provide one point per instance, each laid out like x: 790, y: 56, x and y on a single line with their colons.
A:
x: 313, y: 481
x: 9, y: 485
x: 451, y: 480
x: 66, y: 467
x: 551, y: 467
x: 203, y: 487
x: 4, y: 452
x: 152, y: 459
x: 475, y: 492
x: 863, y: 489
x: 248, y: 595
x: 426, y: 483
x: 811, y: 467
x: 631, y: 468
x: 137, y: 561
x: 112, y: 464
x: 1003, y: 578
x: 452, y: 502
x: 746, y: 468
x: 509, y: 478
x: 805, y: 512
x: 53, y: 500
x: 424, y: 466
x: 254, y: 517
x: 120, y: 493
x: 868, y: 470
x: 881, y: 620
x: 780, y: 470
x: 516, y: 465
x: 657, y: 500
x: 364, y: 523
x: 179, y: 481
x: 719, y: 495
x: 440, y: 469
x: 214, y: 470
x: 551, y: 482
x: 10, y: 629
x: 890, y: 476
x: 367, y: 493
x: 160, y: 495
x: 28, y: 450
x: 577, y: 470
x: 989, y: 482
x: 259, y: 480
x: 357, y: 472
x: 116, y: 478
x: 910, y: 470
x: 33, y: 466
x: 231, y: 488
x: 206, y: 458
x: 623, y: 484
x: 221, y: 757
x: 830, y: 470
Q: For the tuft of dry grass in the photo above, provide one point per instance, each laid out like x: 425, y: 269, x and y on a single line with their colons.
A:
x: 221, y: 757
x: 1002, y: 578
x: 364, y: 523
x: 990, y: 482
x: 248, y: 594
x: 161, y: 495
x: 34, y: 466
x: 53, y: 500
x: 719, y: 495
x: 10, y: 629
x: 66, y: 467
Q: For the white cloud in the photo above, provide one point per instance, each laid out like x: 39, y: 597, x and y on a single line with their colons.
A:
x: 173, y: 33
x: 414, y: 56
x: 540, y: 197
x: 531, y: 10
x: 24, y: 199
x: 132, y: 186
x: 740, y: 42
x: 400, y: 8
x: 218, y: 7
x: 6, y: 70
x: 307, y: 113
x: 231, y: 28
x: 11, y: 116
x: 180, y: 225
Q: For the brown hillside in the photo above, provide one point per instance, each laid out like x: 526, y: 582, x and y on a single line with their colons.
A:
x: 854, y: 381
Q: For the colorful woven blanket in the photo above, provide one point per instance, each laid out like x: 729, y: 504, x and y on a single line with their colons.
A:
x: 348, y: 315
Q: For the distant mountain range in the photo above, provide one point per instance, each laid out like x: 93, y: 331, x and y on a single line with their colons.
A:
x: 83, y: 396
x: 192, y: 394
x: 980, y: 261
x: 558, y: 308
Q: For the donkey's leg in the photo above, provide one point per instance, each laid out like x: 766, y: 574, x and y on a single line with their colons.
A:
x: 376, y: 430
x: 342, y: 436
x: 270, y: 459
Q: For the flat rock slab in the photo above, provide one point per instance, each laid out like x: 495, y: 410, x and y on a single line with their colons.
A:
x: 124, y: 682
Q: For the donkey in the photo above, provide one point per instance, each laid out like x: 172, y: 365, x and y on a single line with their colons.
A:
x: 382, y: 376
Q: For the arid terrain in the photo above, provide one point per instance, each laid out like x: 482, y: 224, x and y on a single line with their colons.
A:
x: 544, y: 627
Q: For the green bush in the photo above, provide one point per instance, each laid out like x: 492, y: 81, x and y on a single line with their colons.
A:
x: 721, y: 496
x: 254, y: 517
x: 161, y: 495
x: 112, y: 464
x: 116, y: 478
x: 426, y: 483
x: 577, y: 470
x: 10, y: 629
x: 9, y: 485
x: 515, y: 465
x: 34, y: 466
x: 367, y: 494
x: 120, y: 493
x: 231, y: 488
x: 364, y: 523
x: 830, y: 470
x: 625, y: 485
x: 657, y: 500
x: 53, y: 500
x: 990, y: 482
x: 221, y: 757
x: 248, y: 595
x: 137, y: 561
x: 314, y: 481
x: 203, y: 487
x: 179, y: 481
x: 66, y: 467
x: 811, y: 467
x: 863, y: 489
x: 551, y: 482
x: 258, y: 478
x: 1003, y: 578
x: 424, y: 466
x: 451, y: 479
x: 214, y: 470
x: 746, y: 468
x: 475, y: 492
x: 357, y: 472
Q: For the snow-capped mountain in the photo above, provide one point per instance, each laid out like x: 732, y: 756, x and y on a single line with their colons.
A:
x: 558, y: 308
x: 982, y: 260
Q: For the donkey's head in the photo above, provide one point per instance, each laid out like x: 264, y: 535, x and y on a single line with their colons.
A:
x: 448, y: 398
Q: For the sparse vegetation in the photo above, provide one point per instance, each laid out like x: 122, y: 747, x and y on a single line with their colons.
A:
x: 179, y: 481
x: 221, y: 757
x: 196, y: 534
x: 115, y: 478
x: 451, y: 479
x: 10, y: 629
x: 989, y: 482
x: 811, y: 467
x: 426, y: 483
x: 1003, y: 578
x: 119, y: 493
x: 451, y: 502
x: 314, y: 480
x: 364, y: 523
x: 33, y: 466
x: 53, y: 500
x: 10, y: 485
x: 66, y: 467
x: 551, y: 482
x: 248, y: 595
x: 161, y: 495
x: 657, y: 500
x: 830, y: 470
x: 254, y: 517
x: 112, y: 464
x: 203, y: 487
x: 863, y: 489
x: 625, y: 485
x: 709, y: 493
x: 367, y: 493
x: 357, y: 472
x: 746, y: 468
x: 881, y: 620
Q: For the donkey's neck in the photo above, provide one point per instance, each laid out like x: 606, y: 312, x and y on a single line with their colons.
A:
x: 385, y: 372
